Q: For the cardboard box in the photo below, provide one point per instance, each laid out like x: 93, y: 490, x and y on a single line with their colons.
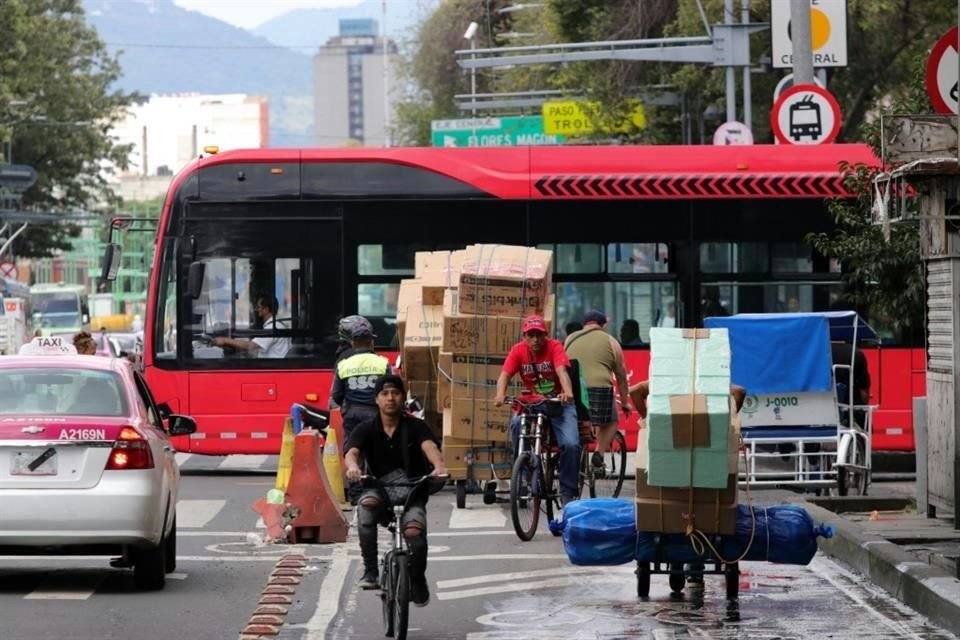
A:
x: 479, y: 421
x: 727, y: 494
x: 505, y: 280
x: 462, y: 457
x: 664, y: 516
x: 421, y: 342
x: 428, y: 393
x: 642, y: 457
x: 483, y: 334
x: 689, y: 361
x: 410, y: 294
x: 442, y: 272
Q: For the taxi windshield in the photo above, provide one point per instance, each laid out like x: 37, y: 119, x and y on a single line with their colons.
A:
x: 68, y: 392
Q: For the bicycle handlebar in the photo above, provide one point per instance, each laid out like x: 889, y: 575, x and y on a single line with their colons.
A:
x: 411, y: 483
x: 524, y: 403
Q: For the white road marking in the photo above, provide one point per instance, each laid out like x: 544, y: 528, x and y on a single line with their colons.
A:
x: 329, y: 597
x: 471, y: 533
x: 243, y: 462
x: 664, y: 634
x: 273, y: 556
x: 525, y: 586
x: 58, y: 586
x: 260, y: 524
x: 177, y: 576
x: 182, y: 457
x: 195, y: 514
x: 525, y: 575
x: 478, y: 518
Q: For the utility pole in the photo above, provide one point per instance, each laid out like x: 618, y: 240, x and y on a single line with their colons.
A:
x: 800, y: 38
x: 731, y: 71
x: 747, y: 89
x: 386, y: 77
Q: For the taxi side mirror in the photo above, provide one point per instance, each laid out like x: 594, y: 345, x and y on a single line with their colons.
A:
x: 181, y: 425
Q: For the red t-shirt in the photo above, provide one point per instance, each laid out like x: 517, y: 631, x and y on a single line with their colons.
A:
x: 539, y: 373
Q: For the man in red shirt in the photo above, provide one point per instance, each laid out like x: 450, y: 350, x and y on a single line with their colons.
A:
x: 542, y: 364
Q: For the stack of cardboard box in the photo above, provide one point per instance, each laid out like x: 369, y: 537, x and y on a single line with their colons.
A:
x: 687, y: 454
x: 460, y: 318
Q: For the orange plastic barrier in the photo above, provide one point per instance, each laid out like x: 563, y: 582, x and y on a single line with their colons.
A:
x: 336, y: 423
x: 320, y: 519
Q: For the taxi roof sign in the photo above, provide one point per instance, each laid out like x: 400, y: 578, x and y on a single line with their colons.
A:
x: 48, y: 346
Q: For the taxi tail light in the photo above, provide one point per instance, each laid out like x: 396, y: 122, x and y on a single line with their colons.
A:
x: 130, y: 451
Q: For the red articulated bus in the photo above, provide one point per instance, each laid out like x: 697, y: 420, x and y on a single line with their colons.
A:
x: 654, y: 236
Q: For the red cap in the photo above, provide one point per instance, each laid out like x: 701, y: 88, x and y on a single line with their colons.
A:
x: 534, y: 323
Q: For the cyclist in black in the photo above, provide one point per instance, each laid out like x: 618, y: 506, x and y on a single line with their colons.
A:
x: 399, y: 447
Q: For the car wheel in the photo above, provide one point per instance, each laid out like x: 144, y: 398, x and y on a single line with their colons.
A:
x: 149, y: 568
x: 170, y: 554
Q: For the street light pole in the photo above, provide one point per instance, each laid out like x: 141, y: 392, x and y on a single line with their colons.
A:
x: 471, y: 35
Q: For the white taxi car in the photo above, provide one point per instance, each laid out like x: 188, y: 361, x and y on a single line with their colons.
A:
x: 86, y: 463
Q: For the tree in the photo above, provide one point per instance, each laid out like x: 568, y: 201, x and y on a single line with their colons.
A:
x: 883, y: 277
x: 57, y: 107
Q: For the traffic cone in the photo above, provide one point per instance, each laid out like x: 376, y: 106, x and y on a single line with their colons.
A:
x: 286, y: 455
x: 331, y: 464
x: 336, y: 424
x: 320, y: 519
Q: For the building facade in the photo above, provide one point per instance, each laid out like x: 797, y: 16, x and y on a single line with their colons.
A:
x: 355, y: 84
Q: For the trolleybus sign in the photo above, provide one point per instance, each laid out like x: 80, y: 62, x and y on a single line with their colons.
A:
x: 805, y: 114
x: 942, y: 84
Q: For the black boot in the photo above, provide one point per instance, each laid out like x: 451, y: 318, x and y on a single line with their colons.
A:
x: 370, y: 579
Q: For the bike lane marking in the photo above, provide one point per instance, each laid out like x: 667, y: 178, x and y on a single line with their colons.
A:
x: 492, y: 517
x: 328, y: 598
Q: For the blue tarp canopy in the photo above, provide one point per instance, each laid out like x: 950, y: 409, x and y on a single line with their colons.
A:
x: 787, y: 352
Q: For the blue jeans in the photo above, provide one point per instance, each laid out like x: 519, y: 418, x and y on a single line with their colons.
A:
x: 568, y: 440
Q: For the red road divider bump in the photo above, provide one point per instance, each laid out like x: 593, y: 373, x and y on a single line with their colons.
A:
x: 271, y: 609
x: 275, y: 598
x: 261, y: 630
x: 287, y: 571
x: 274, y: 621
x: 284, y: 580
x: 277, y: 588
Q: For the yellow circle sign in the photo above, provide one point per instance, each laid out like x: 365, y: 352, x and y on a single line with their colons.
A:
x: 819, y: 29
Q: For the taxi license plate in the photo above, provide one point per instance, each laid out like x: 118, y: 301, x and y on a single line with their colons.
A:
x: 34, y: 463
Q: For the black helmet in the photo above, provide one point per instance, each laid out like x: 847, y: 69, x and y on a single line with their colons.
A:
x: 352, y: 327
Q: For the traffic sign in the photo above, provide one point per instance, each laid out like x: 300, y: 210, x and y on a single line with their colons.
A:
x: 571, y: 118
x: 508, y: 131
x: 805, y: 114
x: 17, y: 177
x: 828, y: 33
x: 942, y: 84
x: 786, y: 82
x: 732, y: 132
x: 8, y: 270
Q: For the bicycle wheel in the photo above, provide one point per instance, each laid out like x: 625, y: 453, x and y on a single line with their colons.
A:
x: 401, y: 596
x: 551, y: 491
x: 386, y: 593
x: 607, y: 481
x: 524, y: 497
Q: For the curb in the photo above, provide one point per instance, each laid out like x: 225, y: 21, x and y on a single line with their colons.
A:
x: 927, y: 589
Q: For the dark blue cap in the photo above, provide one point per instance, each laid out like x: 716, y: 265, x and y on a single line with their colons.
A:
x: 595, y: 315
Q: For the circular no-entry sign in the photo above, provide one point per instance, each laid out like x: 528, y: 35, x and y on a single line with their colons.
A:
x: 942, y: 73
x: 805, y: 114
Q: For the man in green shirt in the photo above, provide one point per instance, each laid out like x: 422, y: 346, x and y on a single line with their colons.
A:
x: 601, y: 361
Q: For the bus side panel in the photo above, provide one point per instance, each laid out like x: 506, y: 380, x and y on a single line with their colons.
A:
x: 893, y: 419
x: 244, y: 411
x: 638, y: 365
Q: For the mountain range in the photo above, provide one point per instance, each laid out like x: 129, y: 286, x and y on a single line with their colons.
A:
x: 163, y: 48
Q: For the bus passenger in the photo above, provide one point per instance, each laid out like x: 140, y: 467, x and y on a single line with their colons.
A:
x: 266, y: 346
x: 630, y: 333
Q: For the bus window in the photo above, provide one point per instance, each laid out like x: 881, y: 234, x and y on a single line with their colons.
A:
x: 734, y: 257
x: 644, y: 303
x: 778, y: 297
x: 378, y: 304
x: 576, y: 258
x: 637, y: 257
x: 792, y: 257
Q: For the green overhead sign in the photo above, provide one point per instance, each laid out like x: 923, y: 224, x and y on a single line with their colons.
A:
x: 509, y: 131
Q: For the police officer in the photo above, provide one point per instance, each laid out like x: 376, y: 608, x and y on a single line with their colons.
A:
x: 356, y: 374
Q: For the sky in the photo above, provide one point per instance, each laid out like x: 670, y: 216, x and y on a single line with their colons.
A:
x: 251, y: 13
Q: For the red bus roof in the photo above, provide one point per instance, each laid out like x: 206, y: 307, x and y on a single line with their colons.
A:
x: 625, y: 172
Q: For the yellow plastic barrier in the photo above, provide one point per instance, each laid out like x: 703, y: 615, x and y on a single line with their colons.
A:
x: 331, y: 464
x: 286, y: 455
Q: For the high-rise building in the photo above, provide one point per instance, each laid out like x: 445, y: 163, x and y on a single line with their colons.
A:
x: 355, y: 82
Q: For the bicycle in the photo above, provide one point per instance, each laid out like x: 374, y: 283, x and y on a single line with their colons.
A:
x: 395, y: 580
x: 604, y: 481
x: 534, y: 470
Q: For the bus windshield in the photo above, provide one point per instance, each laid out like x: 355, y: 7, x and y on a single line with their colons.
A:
x: 279, y: 263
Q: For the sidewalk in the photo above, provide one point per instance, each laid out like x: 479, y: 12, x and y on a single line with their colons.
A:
x: 912, y: 557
